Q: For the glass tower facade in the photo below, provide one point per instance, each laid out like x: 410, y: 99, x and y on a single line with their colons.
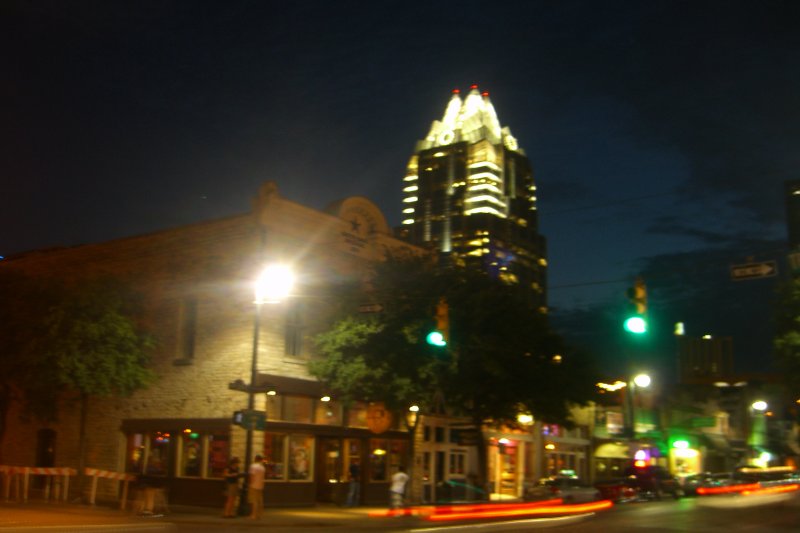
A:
x: 469, y: 193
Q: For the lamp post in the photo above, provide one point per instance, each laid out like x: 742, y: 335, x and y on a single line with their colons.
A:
x: 639, y: 381
x: 758, y: 431
x: 273, y: 285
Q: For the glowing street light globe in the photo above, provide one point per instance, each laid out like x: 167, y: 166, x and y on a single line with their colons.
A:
x: 642, y: 381
x: 274, y: 284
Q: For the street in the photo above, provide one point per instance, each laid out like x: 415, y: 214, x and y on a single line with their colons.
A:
x: 713, y: 513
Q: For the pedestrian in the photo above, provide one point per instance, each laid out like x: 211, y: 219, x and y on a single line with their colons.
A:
x: 397, y: 489
x: 354, y: 494
x: 255, y: 489
x: 231, y: 476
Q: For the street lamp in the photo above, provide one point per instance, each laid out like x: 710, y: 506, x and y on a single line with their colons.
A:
x: 758, y: 432
x: 639, y: 381
x: 273, y: 285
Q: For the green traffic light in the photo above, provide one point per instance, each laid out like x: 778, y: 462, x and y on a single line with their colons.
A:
x: 435, y: 338
x: 636, y: 324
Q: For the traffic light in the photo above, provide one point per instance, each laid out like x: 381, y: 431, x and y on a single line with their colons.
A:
x: 636, y: 322
x: 440, y: 335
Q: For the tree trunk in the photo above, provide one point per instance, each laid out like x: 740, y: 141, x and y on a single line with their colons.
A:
x: 82, y: 444
x: 483, y: 463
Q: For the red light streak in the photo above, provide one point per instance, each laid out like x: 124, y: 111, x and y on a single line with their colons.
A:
x: 478, y: 509
x: 501, y: 511
x: 771, y: 490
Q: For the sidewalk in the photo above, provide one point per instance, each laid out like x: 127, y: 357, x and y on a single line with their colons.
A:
x: 43, y: 516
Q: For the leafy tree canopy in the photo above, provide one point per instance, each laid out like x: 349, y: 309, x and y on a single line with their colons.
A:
x: 501, y: 358
x: 79, y: 337
x: 787, y: 336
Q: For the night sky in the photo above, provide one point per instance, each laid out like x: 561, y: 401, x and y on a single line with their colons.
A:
x: 654, y: 127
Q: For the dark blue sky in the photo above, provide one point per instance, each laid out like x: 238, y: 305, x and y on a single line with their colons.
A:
x: 653, y: 127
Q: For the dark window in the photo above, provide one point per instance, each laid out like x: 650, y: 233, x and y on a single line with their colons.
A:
x: 187, y: 333
x: 294, y: 328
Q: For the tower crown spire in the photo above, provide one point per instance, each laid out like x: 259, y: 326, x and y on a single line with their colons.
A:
x: 472, y: 118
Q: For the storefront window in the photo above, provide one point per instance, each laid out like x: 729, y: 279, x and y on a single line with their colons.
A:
x: 274, y: 455
x: 329, y: 413
x: 191, y: 454
x: 397, y: 454
x: 297, y: 409
x: 197, y: 454
x: 352, y: 452
x: 274, y: 404
x: 157, y: 454
x: 300, y: 457
x: 377, y: 459
x: 357, y: 415
x: 218, y: 453
x: 134, y: 461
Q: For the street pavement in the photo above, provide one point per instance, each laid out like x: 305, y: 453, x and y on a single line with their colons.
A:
x: 63, y: 517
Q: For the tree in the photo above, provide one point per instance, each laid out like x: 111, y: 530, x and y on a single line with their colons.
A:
x: 787, y: 334
x: 501, y: 358
x: 83, y: 342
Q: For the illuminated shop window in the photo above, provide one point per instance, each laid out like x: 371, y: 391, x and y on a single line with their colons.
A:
x: 274, y: 454
x: 385, y: 457
x: 297, y: 409
x: 191, y: 455
x: 301, y: 454
x: 218, y: 453
x: 357, y: 415
x: 328, y: 413
x: 196, y: 454
x: 378, y: 450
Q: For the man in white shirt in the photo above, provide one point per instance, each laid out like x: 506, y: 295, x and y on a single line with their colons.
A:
x: 256, y: 487
x: 397, y: 489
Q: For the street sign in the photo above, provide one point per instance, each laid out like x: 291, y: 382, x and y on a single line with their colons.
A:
x: 250, y: 419
x: 764, y: 269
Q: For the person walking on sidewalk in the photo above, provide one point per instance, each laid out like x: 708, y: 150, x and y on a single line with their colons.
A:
x: 397, y: 489
x: 354, y: 494
x: 256, y: 474
x: 232, y: 476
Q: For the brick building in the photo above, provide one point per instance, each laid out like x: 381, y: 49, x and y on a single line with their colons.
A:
x: 197, y: 282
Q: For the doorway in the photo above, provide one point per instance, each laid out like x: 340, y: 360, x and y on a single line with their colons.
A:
x: 330, y: 479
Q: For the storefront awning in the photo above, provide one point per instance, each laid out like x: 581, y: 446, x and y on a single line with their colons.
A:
x: 286, y: 385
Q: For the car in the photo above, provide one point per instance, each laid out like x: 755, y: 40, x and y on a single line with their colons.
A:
x: 618, y: 490
x: 690, y: 484
x: 569, y: 489
x: 654, y: 481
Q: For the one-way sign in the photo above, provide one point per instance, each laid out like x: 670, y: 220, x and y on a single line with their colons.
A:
x: 763, y: 269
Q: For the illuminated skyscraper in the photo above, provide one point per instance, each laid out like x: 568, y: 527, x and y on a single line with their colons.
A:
x: 469, y: 193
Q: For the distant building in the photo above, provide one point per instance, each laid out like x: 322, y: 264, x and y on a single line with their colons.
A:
x: 703, y: 361
x: 792, y: 199
x: 469, y: 194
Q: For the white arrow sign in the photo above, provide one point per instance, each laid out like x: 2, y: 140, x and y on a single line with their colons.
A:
x: 754, y: 270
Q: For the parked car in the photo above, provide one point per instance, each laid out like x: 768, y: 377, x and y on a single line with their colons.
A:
x: 618, y: 490
x: 691, y: 483
x: 654, y: 481
x: 569, y: 489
